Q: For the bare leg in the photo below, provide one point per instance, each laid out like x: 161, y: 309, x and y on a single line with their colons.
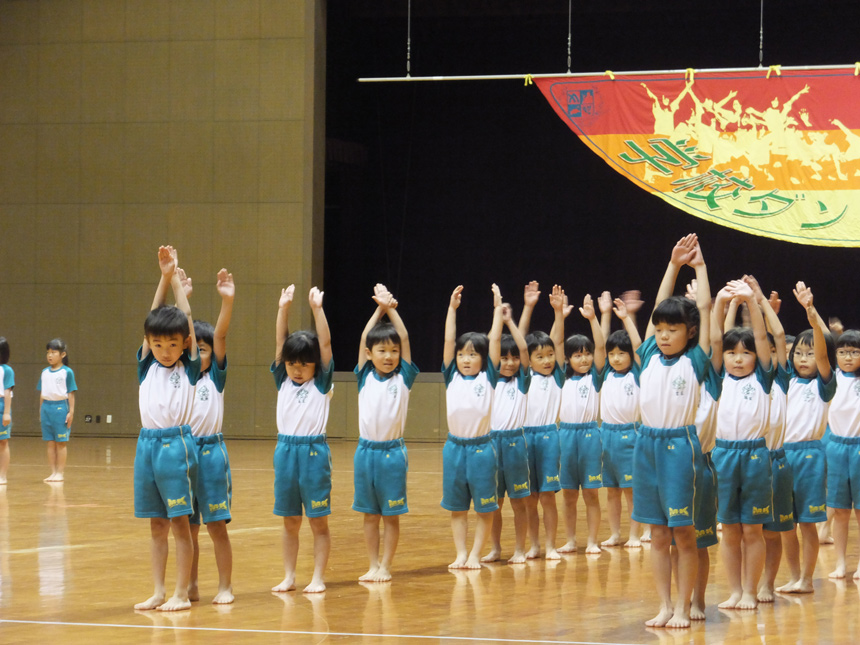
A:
x: 533, y: 525
x: 753, y: 564
x: 52, y: 460
x: 4, y: 460
x: 193, y: 588
x: 703, y: 569
x: 181, y: 529
x: 613, y: 512
x: 857, y: 517
x: 389, y: 547
x: 823, y: 528
x: 550, y: 523
x: 840, y: 539
x: 482, y: 529
x: 791, y: 550
x: 322, y: 549
x: 592, y: 514
x: 460, y: 531
x: 223, y: 560
x: 730, y: 549
x: 159, y: 529
x: 520, y: 525
x: 688, y: 563
x: 292, y: 525
x: 633, y: 541
x: 571, y: 499
x: 661, y: 562
x: 495, y: 535
x: 772, y: 557
x: 371, y: 541
x: 61, y: 460
x: 810, y: 557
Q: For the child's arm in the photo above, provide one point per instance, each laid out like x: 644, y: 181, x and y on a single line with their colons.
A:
x: 282, y: 328
x: 71, y: 414
x: 771, y: 317
x: 623, y: 314
x: 587, y: 311
x: 530, y: 298
x: 743, y: 292
x: 730, y: 317
x: 495, y: 335
x: 374, y: 320
x: 227, y: 289
x: 522, y: 346
x: 718, y: 321
x: 315, y: 298
x: 703, y: 297
x: 451, y: 326
x: 604, y: 303
x: 558, y: 301
x: 819, y: 328
x: 633, y: 301
x: 682, y: 252
x: 167, y: 263
x: 389, y: 305
x: 184, y: 307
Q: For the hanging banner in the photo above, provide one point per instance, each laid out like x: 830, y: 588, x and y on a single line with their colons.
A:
x: 769, y: 153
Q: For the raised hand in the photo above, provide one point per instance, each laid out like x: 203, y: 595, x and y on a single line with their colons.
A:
x: 632, y: 300
x: 456, y: 297
x: 775, y: 302
x: 684, y: 250
x: 185, y: 281
x: 604, y: 302
x: 531, y: 293
x: 224, y: 284
x: 507, y: 313
x: 497, y: 295
x: 315, y: 298
x: 740, y: 289
x: 692, y: 289
x: 287, y: 296
x: 382, y: 297
x: 620, y: 308
x: 167, y: 260
x: 803, y: 295
x: 587, y: 308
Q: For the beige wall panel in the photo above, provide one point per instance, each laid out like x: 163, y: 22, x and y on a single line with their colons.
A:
x: 349, y: 390
x: 265, y: 401
x: 192, y: 20
x: 101, y: 259
x: 147, y: 19
x: 58, y: 163
x: 146, y: 172
x: 191, y: 147
x: 59, y: 21
x: 18, y: 325
x: 242, y: 339
x: 338, y: 412
x: 19, y: 71
x: 102, y: 162
x: 99, y: 394
x: 264, y: 314
x: 282, y: 18
x: 281, y: 161
x: 280, y: 237
x: 239, y: 400
x: 103, y: 82
x: 99, y: 325
x: 147, y: 82
x: 103, y: 20
x: 192, y: 80
x: 136, y: 301
x: 282, y: 90
x: 237, y: 79
x: 237, y: 18
x: 426, y: 418
x: 18, y: 163
x: 236, y: 161
x: 20, y: 23
x: 129, y: 413
x: 20, y: 236
x: 57, y: 314
x: 57, y: 227
x: 60, y: 83
x: 144, y: 229
x: 189, y: 229
x: 234, y: 242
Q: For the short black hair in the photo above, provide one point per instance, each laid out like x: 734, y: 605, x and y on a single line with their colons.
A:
x: 577, y: 343
x: 204, y: 331
x: 382, y: 332
x: 166, y: 320
x: 743, y: 335
x: 808, y: 338
x: 848, y: 338
x: 678, y: 310
x: 538, y: 339
x: 480, y: 342
x: 619, y: 339
x: 4, y: 350
x: 509, y: 346
x: 59, y: 345
x: 302, y: 347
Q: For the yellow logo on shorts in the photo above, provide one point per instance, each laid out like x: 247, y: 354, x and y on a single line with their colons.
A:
x: 679, y: 511
x: 595, y: 478
x: 552, y: 479
x: 177, y: 502
x: 519, y: 487
x: 206, y: 452
x: 624, y: 436
x: 165, y: 445
x: 753, y: 456
x: 809, y: 456
x: 488, y: 500
x: 397, y: 502
x: 817, y: 509
x: 313, y: 453
x: 63, y: 436
x: 671, y: 447
x: 761, y: 511
x: 704, y: 532
x: 781, y: 466
x: 218, y: 507
x: 628, y: 478
x: 786, y: 518
x: 323, y: 503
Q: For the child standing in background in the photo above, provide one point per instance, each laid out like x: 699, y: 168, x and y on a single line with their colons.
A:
x: 7, y: 383
x: 56, y: 406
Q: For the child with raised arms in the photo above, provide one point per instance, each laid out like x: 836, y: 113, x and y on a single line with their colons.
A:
x: 674, y: 359
x: 214, y: 492
x: 165, y: 462
x: 303, y: 370
x: 57, y: 389
x: 7, y: 384
x: 843, y: 455
x: 578, y: 433
x: 385, y: 376
x: 619, y: 413
x: 509, y: 439
x: 811, y: 388
x: 469, y: 364
x: 546, y: 360
x: 741, y: 456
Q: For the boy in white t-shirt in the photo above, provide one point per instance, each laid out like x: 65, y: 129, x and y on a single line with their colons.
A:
x: 385, y: 376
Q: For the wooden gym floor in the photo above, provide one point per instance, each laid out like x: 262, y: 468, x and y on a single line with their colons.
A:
x: 73, y: 561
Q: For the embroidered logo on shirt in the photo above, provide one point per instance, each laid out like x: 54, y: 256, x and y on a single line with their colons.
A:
x: 203, y: 393
x: 174, y: 380
x: 583, y: 391
x: 302, y: 396
x: 628, y: 389
x: 60, y: 381
x: 544, y: 384
x: 808, y: 395
x: 392, y: 390
x: 510, y: 393
x: 856, y: 388
x: 747, y: 391
x: 479, y: 390
x: 679, y: 384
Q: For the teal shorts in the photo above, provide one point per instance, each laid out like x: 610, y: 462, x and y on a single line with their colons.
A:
x: 744, y: 481
x: 809, y: 468
x: 843, y: 472
x: 544, y: 458
x: 783, y: 482
x: 581, y: 456
x: 165, y: 473
x: 5, y: 431
x: 302, y: 476
x: 513, y: 469
x: 379, y: 477
x: 214, y: 496
x: 619, y: 442
x: 469, y: 474
x: 53, y: 417
x: 705, y: 502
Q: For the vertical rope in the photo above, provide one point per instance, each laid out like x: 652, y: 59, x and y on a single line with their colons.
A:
x: 409, y: 38
x: 569, y: 32
x: 761, y: 37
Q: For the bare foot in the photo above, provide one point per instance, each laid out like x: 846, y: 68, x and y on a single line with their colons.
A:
x: 857, y: 574
x: 765, y: 594
x: 380, y: 574
x: 316, y: 586
x: 747, y: 601
x: 614, y: 540
x: 660, y: 619
x: 570, y: 547
x: 802, y: 586
x: 633, y: 543
x: 2, y: 481
x: 732, y: 602
x: 826, y: 540
x: 592, y: 549
x: 151, y: 603
x: 287, y: 584
x: 552, y: 554
x: 49, y: 478
x: 193, y: 592
x: 518, y: 557
x: 680, y: 621
x: 492, y: 556
x: 646, y: 537
x: 838, y: 573
x: 224, y: 597
x: 175, y: 604
x: 459, y: 563
x: 472, y: 563
x: 533, y: 553
x: 367, y: 577
x: 788, y: 587
x: 697, y: 612
x: 59, y: 477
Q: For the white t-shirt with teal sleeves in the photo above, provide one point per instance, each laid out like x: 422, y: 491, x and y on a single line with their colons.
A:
x: 669, y: 387
x: 383, y: 401
x: 469, y: 400
x: 806, y: 407
x: 619, y: 395
x: 55, y: 385
x: 8, y: 380
x: 844, y: 413
x: 778, y: 400
x: 744, y: 412
x: 302, y: 410
x: 544, y: 398
x: 166, y: 394
x: 710, y: 400
x: 580, y: 397
x: 207, y: 414
x: 509, y: 401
